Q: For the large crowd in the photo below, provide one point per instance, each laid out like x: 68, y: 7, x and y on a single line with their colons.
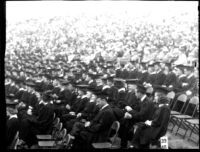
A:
x: 77, y: 66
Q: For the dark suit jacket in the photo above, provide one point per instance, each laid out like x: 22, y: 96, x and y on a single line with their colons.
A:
x: 158, y: 127
x: 44, y: 121
x: 170, y: 79
x: 143, y: 77
x: 151, y: 78
x: 101, y: 124
x: 89, y: 111
x: 12, y: 126
x: 144, y: 111
x: 112, y: 95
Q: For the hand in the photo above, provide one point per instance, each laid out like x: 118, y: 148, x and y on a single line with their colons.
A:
x: 72, y: 113
x: 128, y: 108
x: 188, y: 93
x: 79, y: 115
x: 127, y: 115
x: 58, y: 101
x: 87, y: 124
x: 184, y: 84
x: 171, y: 86
x: 29, y: 112
x: 148, y: 122
x: 68, y: 107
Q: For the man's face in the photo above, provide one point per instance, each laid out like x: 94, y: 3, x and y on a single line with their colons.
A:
x: 156, y: 67
x: 157, y: 95
x: 99, y: 102
x: 109, y: 82
x: 131, y: 87
x: 93, y: 97
x: 89, y: 94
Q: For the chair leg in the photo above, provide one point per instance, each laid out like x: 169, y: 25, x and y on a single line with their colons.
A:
x: 185, y: 133
x: 191, y: 132
x: 178, y: 127
x: 171, y: 130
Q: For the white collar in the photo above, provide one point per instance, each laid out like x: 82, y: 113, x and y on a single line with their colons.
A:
x: 182, y: 75
x: 84, y: 96
x: 142, y: 99
x: 153, y: 72
x: 105, y: 87
x: 13, y: 116
x: 160, y: 105
x: 158, y: 71
x: 21, y: 89
x: 143, y: 71
x: 190, y: 75
x: 104, y: 107
x: 90, y: 81
x: 122, y: 89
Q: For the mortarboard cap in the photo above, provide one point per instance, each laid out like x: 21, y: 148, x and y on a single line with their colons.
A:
x: 131, y: 81
x: 141, y: 88
x: 161, y: 89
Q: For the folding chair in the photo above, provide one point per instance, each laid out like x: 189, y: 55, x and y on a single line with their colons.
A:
x: 178, y: 119
x: 15, y: 141
x: 109, y: 145
x: 56, y: 143
x: 57, y: 127
x: 171, y: 96
x: 181, y: 98
x: 193, y: 125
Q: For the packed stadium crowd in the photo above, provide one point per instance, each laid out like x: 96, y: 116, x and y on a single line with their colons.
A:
x: 93, y: 71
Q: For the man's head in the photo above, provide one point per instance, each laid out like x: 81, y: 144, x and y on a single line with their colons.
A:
x: 157, y: 66
x: 132, y: 84
x: 160, y: 91
x: 188, y: 70
x: 110, y: 80
x: 101, y: 100
x: 140, y: 91
x: 11, y: 107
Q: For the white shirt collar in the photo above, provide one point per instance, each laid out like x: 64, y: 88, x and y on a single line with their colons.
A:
x: 142, y: 99
x: 122, y: 89
x: 160, y: 105
x: 158, y: 71
x: 182, y: 75
x: 84, y: 96
x: 190, y: 75
x: 13, y: 116
x: 105, y: 87
x: 90, y: 81
x: 104, y: 107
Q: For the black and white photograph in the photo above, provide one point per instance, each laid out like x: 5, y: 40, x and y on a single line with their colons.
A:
x: 88, y: 75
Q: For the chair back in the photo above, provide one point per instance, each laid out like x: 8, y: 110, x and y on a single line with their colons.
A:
x: 171, y: 96
x: 115, y: 127
x: 181, y: 98
x: 194, y: 101
x: 14, y: 142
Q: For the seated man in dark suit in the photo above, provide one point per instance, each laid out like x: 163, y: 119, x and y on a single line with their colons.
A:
x: 12, y: 124
x: 39, y: 122
x: 96, y: 129
x: 154, y: 128
x: 141, y: 113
